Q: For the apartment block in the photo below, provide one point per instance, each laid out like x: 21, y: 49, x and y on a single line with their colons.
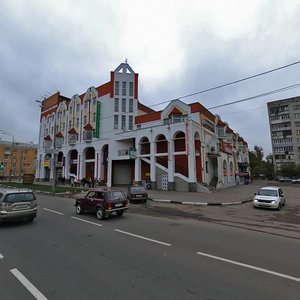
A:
x: 284, y: 120
x: 17, y: 159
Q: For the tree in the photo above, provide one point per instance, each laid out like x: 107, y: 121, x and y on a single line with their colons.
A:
x: 258, y: 165
x: 259, y: 152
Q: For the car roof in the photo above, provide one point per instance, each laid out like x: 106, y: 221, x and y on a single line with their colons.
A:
x: 14, y: 190
x: 104, y: 190
x: 270, y: 188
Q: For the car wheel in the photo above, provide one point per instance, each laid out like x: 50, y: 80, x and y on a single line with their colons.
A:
x: 79, y: 210
x: 279, y: 206
x: 100, y: 214
x: 30, y: 219
x: 145, y: 200
x: 120, y: 213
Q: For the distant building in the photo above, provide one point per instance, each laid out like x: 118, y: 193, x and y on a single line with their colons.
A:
x: 17, y: 159
x: 284, y: 120
x: 106, y: 134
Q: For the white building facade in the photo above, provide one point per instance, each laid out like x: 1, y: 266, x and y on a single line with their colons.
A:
x: 107, y: 135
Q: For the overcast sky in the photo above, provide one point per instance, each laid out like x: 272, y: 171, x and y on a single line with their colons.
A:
x: 177, y: 47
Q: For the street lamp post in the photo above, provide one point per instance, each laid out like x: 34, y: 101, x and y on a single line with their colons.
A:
x: 12, y: 150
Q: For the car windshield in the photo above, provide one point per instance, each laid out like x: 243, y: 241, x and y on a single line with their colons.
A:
x: 19, y: 197
x: 264, y: 192
x: 137, y: 189
x: 115, y: 195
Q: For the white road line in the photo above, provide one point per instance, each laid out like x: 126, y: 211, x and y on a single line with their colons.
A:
x: 1, y: 256
x: 250, y: 266
x: 54, y: 211
x: 28, y: 285
x: 82, y: 220
x: 142, y: 237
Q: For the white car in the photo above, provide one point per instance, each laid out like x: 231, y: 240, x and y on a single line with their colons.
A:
x: 295, y: 180
x: 269, y: 197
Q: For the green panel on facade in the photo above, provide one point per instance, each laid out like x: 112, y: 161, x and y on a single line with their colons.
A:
x: 98, y: 110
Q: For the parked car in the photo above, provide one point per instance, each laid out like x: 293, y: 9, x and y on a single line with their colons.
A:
x: 137, y: 194
x: 103, y: 202
x: 269, y: 197
x: 17, y: 204
x: 285, y: 179
x: 295, y: 180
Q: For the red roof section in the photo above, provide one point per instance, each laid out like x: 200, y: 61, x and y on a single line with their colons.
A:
x: 72, y: 131
x: 88, y: 127
x: 145, y: 108
x: 197, y: 107
x: 175, y: 111
x: 148, y: 117
x: 48, y: 138
x: 59, y: 135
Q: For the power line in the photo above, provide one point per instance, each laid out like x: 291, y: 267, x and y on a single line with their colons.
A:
x: 293, y: 86
x: 230, y: 83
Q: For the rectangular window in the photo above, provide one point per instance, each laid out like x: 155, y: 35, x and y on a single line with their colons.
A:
x: 117, y: 87
x: 123, y: 124
x: 94, y: 117
x: 71, y: 110
x: 123, y: 105
x: 130, y: 105
x: 297, y: 116
x: 85, y: 104
x: 123, y: 88
x: 298, y: 132
x: 77, y: 122
x: 130, y: 88
x: 130, y: 123
x: 116, y: 121
x: 94, y: 101
x: 77, y: 107
x: 116, y: 104
x: 296, y: 107
x: 84, y: 120
x: 70, y: 123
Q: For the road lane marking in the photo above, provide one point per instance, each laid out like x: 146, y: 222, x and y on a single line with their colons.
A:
x: 82, y: 220
x: 250, y: 266
x: 142, y: 237
x: 1, y: 256
x: 54, y: 211
x: 28, y: 285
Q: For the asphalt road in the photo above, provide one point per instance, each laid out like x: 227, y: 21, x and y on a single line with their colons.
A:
x: 146, y: 254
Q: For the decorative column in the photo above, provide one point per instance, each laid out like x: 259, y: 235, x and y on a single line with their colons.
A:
x: 80, y: 164
x: 153, y: 165
x: 109, y: 172
x: 137, y: 170
x: 191, y: 161
x: 171, y: 166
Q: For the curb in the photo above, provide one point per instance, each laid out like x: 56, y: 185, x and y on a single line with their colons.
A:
x: 201, y: 203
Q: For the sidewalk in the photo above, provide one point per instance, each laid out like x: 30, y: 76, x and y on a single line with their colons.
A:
x: 230, y: 196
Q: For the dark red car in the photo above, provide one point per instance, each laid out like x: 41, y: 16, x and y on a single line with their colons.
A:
x: 103, y: 202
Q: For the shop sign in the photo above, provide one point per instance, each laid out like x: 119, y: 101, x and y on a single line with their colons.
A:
x: 226, y: 148
x: 132, y: 153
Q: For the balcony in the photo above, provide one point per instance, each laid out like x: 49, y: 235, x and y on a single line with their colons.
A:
x: 278, y: 161
x: 88, y: 133
x: 59, y: 140
x: 72, y: 136
x: 47, y: 142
